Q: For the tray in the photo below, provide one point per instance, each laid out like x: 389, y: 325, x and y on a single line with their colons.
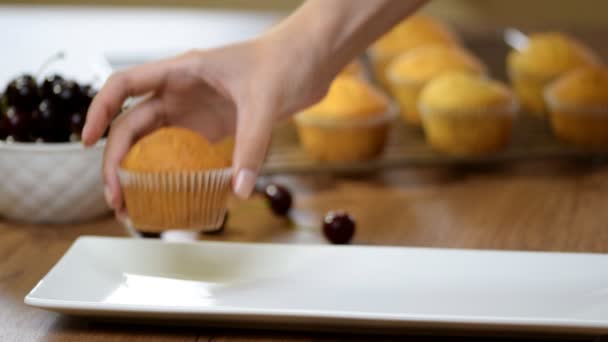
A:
x: 327, y: 287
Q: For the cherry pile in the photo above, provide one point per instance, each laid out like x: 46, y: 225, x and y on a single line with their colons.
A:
x: 53, y: 110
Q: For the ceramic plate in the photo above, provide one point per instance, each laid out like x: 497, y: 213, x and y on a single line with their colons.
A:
x: 309, y: 286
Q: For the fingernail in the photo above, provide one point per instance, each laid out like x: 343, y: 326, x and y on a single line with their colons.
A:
x: 108, y: 195
x: 244, y: 183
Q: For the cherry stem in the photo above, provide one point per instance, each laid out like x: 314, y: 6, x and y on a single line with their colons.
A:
x: 52, y: 59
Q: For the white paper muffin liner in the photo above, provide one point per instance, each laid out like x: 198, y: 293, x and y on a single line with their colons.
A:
x: 189, y: 200
x: 370, y: 121
x: 510, y: 109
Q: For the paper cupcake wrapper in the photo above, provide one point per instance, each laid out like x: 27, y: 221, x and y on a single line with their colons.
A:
x: 176, y: 200
x: 373, y: 120
x: 510, y: 109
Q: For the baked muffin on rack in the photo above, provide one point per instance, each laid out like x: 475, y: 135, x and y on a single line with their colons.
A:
x: 415, y: 31
x: 545, y: 57
x: 464, y: 114
x: 411, y: 71
x: 578, y: 107
x: 350, y: 124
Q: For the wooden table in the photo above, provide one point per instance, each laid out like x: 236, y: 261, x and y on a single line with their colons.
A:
x: 548, y: 206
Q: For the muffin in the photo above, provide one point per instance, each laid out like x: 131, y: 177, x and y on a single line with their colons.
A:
x: 350, y: 124
x: 578, y: 107
x: 409, y: 73
x: 225, y: 148
x: 466, y: 115
x: 175, y: 179
x: 415, y: 31
x: 546, y: 57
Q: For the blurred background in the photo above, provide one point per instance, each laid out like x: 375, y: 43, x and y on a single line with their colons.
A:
x: 97, y: 37
x: 526, y: 14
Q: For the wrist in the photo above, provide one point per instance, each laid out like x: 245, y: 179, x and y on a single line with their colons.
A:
x: 332, y: 33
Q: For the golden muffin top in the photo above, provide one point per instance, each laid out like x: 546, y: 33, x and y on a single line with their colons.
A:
x: 349, y: 97
x: 173, y: 149
x: 426, y: 62
x: 464, y: 92
x: 550, y: 54
x: 585, y: 86
x: 225, y: 147
x: 415, y: 31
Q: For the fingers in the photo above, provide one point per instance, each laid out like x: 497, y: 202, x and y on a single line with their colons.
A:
x: 252, y: 139
x: 127, y: 128
x: 120, y: 86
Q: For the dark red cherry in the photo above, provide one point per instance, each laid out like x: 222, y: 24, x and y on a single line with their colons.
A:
x: 87, y: 93
x: 279, y: 199
x: 17, y: 124
x: 23, y: 93
x: 3, y: 128
x: 49, y: 124
x: 338, y: 227
x: 66, y: 96
x: 76, y: 123
x: 46, y: 88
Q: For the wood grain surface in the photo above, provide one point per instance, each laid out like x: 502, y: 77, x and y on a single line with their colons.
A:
x: 548, y: 206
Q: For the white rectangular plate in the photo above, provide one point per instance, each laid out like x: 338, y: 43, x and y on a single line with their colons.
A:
x: 328, y: 286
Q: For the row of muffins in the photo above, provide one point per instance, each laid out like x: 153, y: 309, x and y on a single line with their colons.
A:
x: 461, y: 114
x: 558, y: 78
x: 546, y: 58
x: 446, y: 90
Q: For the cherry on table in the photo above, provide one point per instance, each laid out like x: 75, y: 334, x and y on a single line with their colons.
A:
x: 279, y: 199
x: 23, y: 93
x: 338, y: 227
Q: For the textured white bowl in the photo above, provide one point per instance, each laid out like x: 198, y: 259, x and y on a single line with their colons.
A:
x: 51, y: 183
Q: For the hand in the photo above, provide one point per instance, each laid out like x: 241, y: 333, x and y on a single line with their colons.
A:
x: 240, y: 89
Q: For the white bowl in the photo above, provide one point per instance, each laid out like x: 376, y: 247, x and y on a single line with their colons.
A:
x: 51, y: 183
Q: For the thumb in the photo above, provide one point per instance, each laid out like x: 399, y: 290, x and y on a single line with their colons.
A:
x: 253, y: 133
